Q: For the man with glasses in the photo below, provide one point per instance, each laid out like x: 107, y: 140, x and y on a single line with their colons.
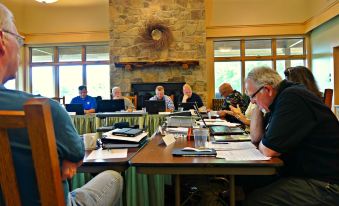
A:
x: 232, y: 98
x: 104, y: 189
x: 303, y: 132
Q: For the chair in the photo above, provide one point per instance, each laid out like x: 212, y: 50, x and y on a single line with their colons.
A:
x: 217, y: 104
x: 37, y: 118
x: 134, y: 100
x: 328, y: 94
x: 59, y: 99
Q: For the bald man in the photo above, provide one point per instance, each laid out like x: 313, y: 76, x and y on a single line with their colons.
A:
x: 189, y: 96
x: 232, y: 98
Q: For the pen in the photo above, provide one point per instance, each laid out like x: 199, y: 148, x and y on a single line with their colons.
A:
x: 219, y: 142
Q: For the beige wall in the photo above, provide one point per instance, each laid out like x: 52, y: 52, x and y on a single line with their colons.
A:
x: 41, y: 23
x: 323, y: 40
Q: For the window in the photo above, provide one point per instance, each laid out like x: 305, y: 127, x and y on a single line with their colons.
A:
x: 234, y: 59
x: 10, y: 84
x: 58, y: 71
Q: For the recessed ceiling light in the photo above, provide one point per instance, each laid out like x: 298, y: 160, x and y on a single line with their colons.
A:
x: 46, y: 1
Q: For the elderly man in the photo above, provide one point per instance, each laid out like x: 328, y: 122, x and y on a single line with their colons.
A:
x: 87, y: 101
x: 160, y: 95
x: 116, y: 94
x: 104, y: 189
x: 303, y: 132
x: 232, y: 98
x: 189, y: 96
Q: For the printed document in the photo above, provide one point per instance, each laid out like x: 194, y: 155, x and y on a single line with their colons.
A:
x: 107, y: 154
x: 238, y: 155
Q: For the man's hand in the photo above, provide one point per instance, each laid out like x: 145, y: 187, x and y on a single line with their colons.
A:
x: 235, y: 110
x: 184, y: 99
x: 69, y: 169
x: 222, y: 113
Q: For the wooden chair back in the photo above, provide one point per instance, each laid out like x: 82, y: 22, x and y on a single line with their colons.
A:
x: 37, y: 118
x: 217, y: 104
x: 61, y: 100
x: 328, y: 94
x: 134, y: 100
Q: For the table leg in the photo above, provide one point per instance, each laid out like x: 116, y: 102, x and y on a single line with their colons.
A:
x: 177, y: 190
x: 124, y: 191
x: 232, y: 191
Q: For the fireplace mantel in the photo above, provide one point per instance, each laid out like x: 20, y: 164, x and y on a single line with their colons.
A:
x: 186, y: 64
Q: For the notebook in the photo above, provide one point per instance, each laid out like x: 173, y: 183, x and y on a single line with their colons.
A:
x: 110, y: 105
x: 186, y: 105
x: 191, y: 153
x: 219, y: 129
x: 155, y: 106
x: 77, y: 108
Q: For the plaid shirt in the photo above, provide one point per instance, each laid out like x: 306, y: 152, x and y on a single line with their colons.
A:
x: 234, y: 99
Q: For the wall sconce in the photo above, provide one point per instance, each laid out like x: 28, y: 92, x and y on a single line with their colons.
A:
x: 46, y: 1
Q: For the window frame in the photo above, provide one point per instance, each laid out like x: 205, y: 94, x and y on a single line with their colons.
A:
x: 56, y: 64
x: 274, y: 57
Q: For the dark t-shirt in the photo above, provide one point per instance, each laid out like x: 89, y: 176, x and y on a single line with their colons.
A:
x: 194, y: 98
x: 234, y: 99
x: 306, y: 132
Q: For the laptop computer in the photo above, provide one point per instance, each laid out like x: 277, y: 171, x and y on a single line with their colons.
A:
x: 77, y: 108
x: 129, y: 132
x: 219, y: 129
x: 186, y: 105
x: 110, y: 105
x: 155, y: 106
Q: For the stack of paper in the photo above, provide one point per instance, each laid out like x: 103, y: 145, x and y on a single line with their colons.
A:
x: 107, y: 154
x: 238, y: 155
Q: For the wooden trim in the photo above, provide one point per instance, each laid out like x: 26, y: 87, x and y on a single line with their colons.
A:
x: 186, y: 64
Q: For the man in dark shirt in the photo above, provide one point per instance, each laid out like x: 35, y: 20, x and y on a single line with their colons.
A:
x: 190, y: 96
x: 304, y: 133
x: 232, y: 98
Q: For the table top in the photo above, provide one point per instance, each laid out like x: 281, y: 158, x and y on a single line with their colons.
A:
x: 98, y: 165
x: 155, y: 155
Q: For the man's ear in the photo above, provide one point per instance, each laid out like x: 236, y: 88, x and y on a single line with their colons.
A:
x: 269, y: 89
x: 2, y: 43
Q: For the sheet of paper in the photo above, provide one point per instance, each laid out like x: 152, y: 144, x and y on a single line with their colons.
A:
x: 238, y: 155
x: 231, y: 146
x: 217, y: 123
x: 107, y: 154
x: 183, y: 130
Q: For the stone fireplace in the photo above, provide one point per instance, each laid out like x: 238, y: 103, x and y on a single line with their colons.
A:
x: 185, y: 20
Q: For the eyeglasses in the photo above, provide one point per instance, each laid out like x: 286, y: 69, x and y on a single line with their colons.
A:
x: 255, y: 93
x: 19, y: 38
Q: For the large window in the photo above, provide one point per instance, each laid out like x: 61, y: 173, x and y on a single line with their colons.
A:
x: 234, y: 59
x: 58, y: 71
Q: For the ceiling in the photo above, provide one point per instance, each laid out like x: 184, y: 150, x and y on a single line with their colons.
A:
x: 64, y: 3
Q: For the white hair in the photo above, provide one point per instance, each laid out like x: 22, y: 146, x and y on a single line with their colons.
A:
x: 6, y: 17
x: 264, y: 76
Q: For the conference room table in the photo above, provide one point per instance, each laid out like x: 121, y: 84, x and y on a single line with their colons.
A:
x: 137, y: 185
x: 156, y: 158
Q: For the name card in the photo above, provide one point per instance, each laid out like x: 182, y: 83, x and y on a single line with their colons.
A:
x: 168, y: 139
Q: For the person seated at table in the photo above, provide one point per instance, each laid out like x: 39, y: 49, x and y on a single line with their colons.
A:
x: 189, y: 96
x: 301, y: 130
x: 87, y: 101
x: 116, y: 94
x: 232, y: 98
x: 104, y: 189
x: 160, y: 95
x: 303, y: 75
x: 244, y: 118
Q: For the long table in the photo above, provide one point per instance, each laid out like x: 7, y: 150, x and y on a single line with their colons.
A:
x: 158, y: 159
x: 137, y: 185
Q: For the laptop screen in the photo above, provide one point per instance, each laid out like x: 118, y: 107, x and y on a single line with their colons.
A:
x: 77, y: 108
x: 186, y: 105
x: 110, y: 105
x: 155, y: 106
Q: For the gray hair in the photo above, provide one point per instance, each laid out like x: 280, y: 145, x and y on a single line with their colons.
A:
x: 6, y: 17
x: 115, y: 88
x: 264, y: 76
